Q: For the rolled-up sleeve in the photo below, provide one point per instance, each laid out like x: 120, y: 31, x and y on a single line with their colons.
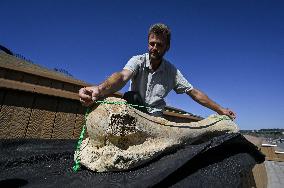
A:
x: 181, y: 84
x: 133, y: 64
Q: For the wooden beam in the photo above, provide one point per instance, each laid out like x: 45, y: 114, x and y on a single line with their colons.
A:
x: 11, y: 84
x: 182, y: 116
x: 13, y: 63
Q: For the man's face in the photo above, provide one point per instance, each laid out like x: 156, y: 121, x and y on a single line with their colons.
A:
x: 157, y: 46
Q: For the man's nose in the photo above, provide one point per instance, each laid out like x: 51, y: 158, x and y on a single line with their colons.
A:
x: 155, y: 47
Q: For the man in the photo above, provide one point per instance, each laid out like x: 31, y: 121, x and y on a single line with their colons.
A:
x: 152, y: 78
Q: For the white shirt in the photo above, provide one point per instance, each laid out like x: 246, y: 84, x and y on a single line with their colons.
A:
x: 153, y: 87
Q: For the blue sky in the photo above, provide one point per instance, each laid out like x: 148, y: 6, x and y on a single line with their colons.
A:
x: 231, y: 50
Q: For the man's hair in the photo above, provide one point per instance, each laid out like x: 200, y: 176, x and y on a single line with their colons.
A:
x: 161, y: 29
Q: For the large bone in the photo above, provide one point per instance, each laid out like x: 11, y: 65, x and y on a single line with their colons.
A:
x: 121, y: 137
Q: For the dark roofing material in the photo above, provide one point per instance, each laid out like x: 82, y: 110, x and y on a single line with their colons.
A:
x: 224, y: 161
x: 6, y: 50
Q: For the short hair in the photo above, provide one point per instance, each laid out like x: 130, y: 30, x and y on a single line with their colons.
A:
x: 161, y: 29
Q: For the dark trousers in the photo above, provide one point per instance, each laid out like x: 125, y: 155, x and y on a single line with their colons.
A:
x: 133, y: 97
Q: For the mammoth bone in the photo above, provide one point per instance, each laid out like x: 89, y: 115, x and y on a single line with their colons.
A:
x: 121, y: 137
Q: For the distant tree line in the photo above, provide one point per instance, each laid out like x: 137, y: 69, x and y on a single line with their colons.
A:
x: 267, y: 133
x: 271, y: 130
x: 264, y: 130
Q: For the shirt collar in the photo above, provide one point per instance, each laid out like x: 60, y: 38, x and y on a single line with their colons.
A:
x: 148, y: 65
x: 147, y: 60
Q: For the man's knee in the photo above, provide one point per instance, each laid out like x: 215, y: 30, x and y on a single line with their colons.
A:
x: 133, y: 97
x: 157, y: 114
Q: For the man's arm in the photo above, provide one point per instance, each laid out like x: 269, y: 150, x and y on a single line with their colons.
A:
x: 204, y: 100
x: 112, y: 84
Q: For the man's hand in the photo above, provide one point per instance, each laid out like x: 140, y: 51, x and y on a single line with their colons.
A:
x: 112, y: 84
x: 89, y: 94
x: 228, y: 112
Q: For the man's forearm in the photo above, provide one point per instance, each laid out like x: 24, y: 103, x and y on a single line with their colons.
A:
x: 112, y: 84
x: 204, y: 100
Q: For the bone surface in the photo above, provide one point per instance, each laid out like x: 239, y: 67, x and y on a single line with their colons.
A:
x: 121, y: 137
